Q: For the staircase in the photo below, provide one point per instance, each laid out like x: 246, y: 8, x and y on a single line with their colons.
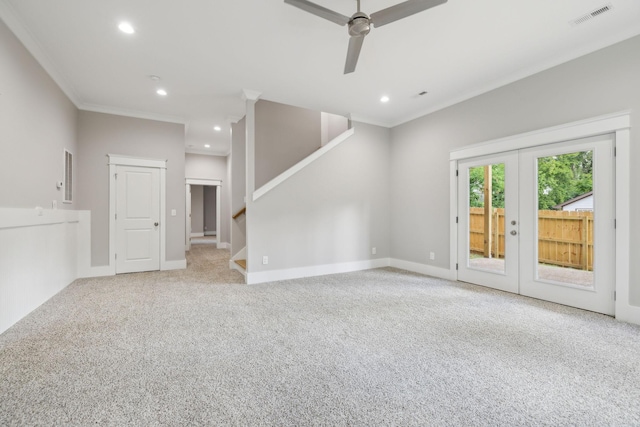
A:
x: 239, y: 262
x: 252, y: 179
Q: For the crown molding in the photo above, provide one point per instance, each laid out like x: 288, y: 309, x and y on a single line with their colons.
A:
x: 30, y: 42
x: 132, y: 113
x: 250, y: 95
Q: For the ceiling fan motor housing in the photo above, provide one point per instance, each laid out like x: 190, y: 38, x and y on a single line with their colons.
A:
x: 359, y: 25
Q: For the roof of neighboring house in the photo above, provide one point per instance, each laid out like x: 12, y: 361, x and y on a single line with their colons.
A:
x: 575, y: 199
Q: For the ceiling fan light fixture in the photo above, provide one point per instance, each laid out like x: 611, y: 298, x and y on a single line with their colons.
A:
x: 360, y: 23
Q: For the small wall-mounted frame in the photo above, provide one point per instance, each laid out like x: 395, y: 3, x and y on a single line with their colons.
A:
x: 68, y: 177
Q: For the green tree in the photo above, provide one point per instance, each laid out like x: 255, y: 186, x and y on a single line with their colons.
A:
x: 560, y: 178
x: 476, y: 186
x: 563, y: 177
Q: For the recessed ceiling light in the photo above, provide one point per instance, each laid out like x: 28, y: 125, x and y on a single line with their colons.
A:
x: 207, y: 146
x: 217, y: 128
x: 384, y: 99
x: 154, y: 78
x: 127, y: 28
x: 161, y: 92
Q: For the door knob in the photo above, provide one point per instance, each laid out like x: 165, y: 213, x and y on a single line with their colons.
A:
x: 155, y: 223
x: 513, y: 222
x: 514, y: 232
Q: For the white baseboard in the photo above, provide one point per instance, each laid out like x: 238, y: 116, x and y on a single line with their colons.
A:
x: 224, y: 245
x: 429, y: 270
x: 197, y: 234
x: 316, y: 270
x: 628, y: 313
x: 180, y: 264
x: 106, y: 270
x: 210, y: 233
x: 99, y: 271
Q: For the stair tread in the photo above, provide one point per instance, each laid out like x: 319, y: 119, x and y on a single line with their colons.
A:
x: 241, y: 262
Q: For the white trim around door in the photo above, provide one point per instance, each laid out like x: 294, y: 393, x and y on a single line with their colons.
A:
x: 118, y: 160
x: 618, y: 124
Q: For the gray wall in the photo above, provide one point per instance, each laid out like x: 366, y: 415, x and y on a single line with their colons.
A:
x: 333, y: 211
x: 101, y: 134
x: 284, y: 136
x: 197, y: 209
x: 198, y: 166
x: 210, y: 204
x: 603, y: 82
x: 336, y: 125
x: 37, y: 122
x: 238, y: 184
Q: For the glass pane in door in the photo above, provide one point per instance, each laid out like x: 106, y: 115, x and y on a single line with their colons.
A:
x: 565, y: 218
x: 486, y: 217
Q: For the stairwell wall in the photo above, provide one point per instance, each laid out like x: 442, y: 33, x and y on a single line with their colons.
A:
x: 285, y: 135
x: 327, y: 217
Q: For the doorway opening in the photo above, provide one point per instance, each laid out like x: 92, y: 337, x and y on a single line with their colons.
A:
x: 203, y: 202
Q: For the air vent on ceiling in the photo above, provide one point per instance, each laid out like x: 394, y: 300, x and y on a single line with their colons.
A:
x: 593, y: 14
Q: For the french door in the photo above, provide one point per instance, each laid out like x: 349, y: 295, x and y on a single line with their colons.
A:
x: 540, y: 222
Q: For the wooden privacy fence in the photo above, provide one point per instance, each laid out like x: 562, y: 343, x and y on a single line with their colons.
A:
x: 565, y: 238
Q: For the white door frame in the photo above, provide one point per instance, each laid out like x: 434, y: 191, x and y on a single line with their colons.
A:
x: 619, y: 124
x: 188, y: 225
x: 116, y: 160
x: 206, y: 183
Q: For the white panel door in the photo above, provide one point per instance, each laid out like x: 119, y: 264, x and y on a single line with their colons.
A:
x: 137, y: 219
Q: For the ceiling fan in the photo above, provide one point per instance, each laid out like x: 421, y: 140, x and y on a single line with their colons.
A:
x: 360, y: 23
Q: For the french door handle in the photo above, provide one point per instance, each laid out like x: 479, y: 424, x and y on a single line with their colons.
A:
x: 514, y: 232
x: 155, y: 223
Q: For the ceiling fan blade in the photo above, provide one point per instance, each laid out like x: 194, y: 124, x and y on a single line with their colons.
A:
x: 402, y: 10
x: 320, y: 11
x: 355, y: 44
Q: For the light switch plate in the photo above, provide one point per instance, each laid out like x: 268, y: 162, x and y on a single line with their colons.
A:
x: 173, y: 212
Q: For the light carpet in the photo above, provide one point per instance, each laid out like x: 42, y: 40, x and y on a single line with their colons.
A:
x: 378, y: 347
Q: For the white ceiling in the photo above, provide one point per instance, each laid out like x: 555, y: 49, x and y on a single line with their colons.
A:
x: 208, y: 51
